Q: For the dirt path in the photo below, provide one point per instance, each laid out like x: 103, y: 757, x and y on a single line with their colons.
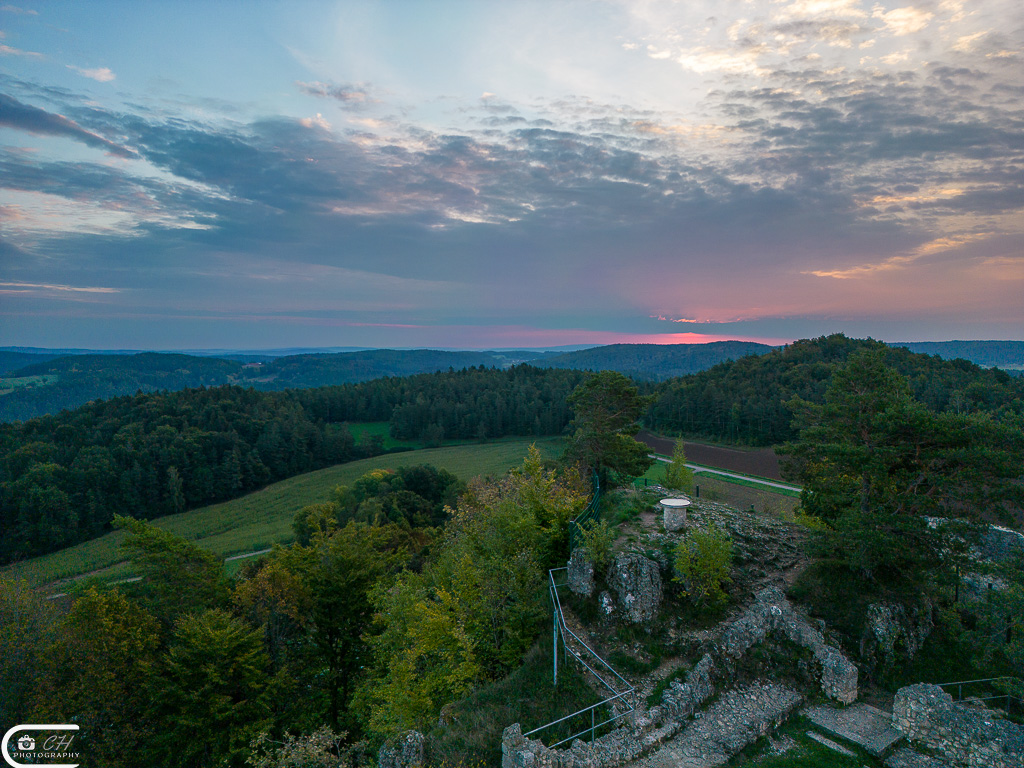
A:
x: 698, y: 469
x: 756, y: 461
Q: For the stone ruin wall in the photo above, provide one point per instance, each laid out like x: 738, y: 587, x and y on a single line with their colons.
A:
x: 968, y: 737
x: 771, y: 612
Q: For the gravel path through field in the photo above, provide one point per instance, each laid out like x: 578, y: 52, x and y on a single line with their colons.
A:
x: 712, y: 471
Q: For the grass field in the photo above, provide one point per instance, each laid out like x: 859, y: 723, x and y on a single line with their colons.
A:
x: 10, y: 383
x: 264, y: 518
x: 741, y: 494
x: 363, y: 429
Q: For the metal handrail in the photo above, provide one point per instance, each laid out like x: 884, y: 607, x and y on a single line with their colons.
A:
x: 961, y: 683
x: 980, y: 680
x: 617, y: 695
x: 561, y: 616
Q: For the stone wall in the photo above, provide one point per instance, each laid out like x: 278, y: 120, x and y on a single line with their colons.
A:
x: 771, y: 612
x: 966, y: 736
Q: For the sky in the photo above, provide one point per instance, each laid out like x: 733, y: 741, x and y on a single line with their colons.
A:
x: 474, y: 174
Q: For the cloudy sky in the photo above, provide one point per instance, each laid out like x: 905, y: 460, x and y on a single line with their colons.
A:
x: 497, y: 174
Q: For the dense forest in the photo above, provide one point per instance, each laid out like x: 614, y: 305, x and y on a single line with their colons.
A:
x: 315, y: 653
x: 747, y: 400
x: 63, y: 477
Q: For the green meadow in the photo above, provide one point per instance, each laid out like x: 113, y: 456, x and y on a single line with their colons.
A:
x: 264, y: 518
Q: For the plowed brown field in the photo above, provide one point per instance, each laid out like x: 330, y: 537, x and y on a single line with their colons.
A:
x: 754, y: 461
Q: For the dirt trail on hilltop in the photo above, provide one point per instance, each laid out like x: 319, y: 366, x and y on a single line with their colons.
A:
x: 755, y: 461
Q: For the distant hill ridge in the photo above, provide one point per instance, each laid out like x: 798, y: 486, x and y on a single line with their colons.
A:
x: 655, y: 362
x: 69, y: 380
x: 82, y: 378
x: 1008, y: 355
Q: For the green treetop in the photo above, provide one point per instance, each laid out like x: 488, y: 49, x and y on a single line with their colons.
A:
x: 877, y: 464
x: 608, y: 407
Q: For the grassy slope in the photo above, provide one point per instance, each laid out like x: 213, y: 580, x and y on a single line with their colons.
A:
x: 263, y: 518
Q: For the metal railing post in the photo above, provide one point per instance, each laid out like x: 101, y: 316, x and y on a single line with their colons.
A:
x: 555, y: 654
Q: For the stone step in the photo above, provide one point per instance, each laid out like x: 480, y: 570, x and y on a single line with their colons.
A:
x: 861, y: 724
x: 830, y: 744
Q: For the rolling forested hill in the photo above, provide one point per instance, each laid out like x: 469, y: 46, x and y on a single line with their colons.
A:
x: 77, y: 379
x: 12, y: 361
x: 300, y: 371
x: 63, y: 477
x: 654, y: 362
x: 71, y: 381
x: 744, y: 401
x: 82, y: 378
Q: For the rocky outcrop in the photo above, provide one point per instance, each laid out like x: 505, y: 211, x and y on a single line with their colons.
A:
x: 404, y: 752
x: 895, y: 633
x: 964, y: 736
x: 637, y: 582
x: 1001, y: 544
x: 581, y: 572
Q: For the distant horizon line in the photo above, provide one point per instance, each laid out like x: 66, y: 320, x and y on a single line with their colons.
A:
x: 284, y: 351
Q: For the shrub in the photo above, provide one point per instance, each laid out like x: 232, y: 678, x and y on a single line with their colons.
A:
x: 703, y: 560
x: 599, y: 537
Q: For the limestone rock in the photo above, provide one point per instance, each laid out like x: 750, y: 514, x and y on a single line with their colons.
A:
x: 581, y: 572
x: 1001, y: 544
x: 637, y: 581
x: 405, y: 752
x: 895, y: 633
